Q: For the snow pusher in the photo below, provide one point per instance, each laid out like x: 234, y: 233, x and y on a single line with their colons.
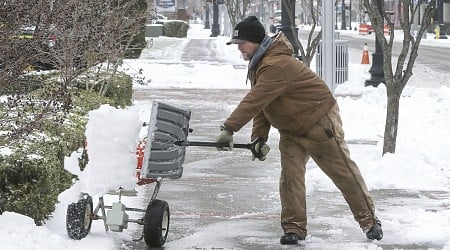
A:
x: 159, y: 156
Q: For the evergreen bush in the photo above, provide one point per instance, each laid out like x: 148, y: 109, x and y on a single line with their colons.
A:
x: 33, y: 175
x: 138, y: 43
x: 176, y: 28
x: 30, y: 183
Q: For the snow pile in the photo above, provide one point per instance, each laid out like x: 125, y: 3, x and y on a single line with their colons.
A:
x: 112, y: 135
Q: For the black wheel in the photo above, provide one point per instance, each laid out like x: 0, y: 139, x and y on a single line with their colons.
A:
x: 156, y: 223
x: 78, y: 218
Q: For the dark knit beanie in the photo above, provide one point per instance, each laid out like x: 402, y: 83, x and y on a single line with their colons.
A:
x: 250, y: 29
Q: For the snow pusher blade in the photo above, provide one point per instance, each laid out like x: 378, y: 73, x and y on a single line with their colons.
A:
x: 165, y: 150
x: 162, y: 157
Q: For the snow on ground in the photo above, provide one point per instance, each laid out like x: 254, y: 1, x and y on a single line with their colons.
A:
x: 421, y: 162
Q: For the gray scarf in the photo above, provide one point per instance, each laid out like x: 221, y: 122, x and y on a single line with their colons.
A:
x: 263, y: 46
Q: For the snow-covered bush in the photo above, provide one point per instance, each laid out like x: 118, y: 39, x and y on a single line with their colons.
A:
x: 175, y: 28
x: 32, y: 173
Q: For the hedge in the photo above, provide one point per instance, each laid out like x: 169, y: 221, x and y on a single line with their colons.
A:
x: 176, y: 28
x: 33, y: 175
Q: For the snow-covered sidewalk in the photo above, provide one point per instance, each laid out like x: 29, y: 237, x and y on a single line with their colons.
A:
x: 420, y: 168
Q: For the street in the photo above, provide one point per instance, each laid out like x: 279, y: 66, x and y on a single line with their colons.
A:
x: 435, y: 57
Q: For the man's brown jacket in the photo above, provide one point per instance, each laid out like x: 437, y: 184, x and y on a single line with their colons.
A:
x: 284, y: 93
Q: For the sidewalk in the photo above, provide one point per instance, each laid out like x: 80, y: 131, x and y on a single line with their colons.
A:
x: 226, y: 201
x: 201, y: 50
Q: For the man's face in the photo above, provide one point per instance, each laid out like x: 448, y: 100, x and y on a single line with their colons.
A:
x: 247, y: 49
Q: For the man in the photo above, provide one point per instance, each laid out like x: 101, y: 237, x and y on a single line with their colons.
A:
x: 289, y: 96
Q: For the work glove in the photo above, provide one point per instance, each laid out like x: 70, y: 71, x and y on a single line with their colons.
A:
x: 225, y: 137
x: 259, y: 149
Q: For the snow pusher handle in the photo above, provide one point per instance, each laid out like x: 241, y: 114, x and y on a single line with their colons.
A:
x: 214, y: 144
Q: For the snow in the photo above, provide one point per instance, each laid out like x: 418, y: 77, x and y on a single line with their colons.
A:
x: 421, y: 161
x: 110, y: 131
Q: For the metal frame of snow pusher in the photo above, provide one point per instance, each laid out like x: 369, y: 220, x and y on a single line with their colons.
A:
x: 81, y: 214
x: 160, y: 155
x: 155, y: 161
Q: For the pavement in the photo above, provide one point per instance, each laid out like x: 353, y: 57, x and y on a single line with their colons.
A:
x: 200, y: 50
x: 226, y: 201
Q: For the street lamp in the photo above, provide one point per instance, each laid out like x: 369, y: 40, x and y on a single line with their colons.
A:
x: 377, y: 71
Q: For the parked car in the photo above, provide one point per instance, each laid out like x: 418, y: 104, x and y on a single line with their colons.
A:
x: 161, y: 16
x: 158, y: 18
x: 276, y: 21
x: 24, y: 37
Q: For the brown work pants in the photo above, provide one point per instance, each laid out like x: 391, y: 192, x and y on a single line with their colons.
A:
x: 325, y: 144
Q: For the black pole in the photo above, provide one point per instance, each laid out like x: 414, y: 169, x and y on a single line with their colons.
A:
x: 288, y: 24
x: 212, y: 144
x: 335, y: 17
x: 350, y: 15
x: 215, y: 30
x: 440, y: 12
x: 207, y: 16
x: 418, y: 16
x: 377, y: 71
x: 343, y: 24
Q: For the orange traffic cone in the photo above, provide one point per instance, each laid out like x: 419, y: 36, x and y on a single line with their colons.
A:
x: 365, y: 57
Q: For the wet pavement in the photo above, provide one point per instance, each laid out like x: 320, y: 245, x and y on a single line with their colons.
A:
x: 226, y: 201
x: 200, y: 50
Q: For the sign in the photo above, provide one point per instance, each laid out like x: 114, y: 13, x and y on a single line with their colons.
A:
x: 165, y: 5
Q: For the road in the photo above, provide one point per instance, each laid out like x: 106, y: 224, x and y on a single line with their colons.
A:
x: 437, y: 58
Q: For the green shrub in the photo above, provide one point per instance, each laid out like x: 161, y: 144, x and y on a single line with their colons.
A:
x: 26, y: 83
x: 33, y: 175
x: 138, y: 43
x: 118, y: 92
x: 176, y: 28
x: 85, y: 101
x: 30, y: 181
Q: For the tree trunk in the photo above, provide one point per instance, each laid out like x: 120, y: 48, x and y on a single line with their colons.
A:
x: 314, y: 37
x: 391, y: 126
x: 396, y: 81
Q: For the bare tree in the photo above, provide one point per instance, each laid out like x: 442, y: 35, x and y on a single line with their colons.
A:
x: 96, y: 33
x: 314, y: 36
x: 70, y: 36
x: 396, y: 81
x: 237, y: 10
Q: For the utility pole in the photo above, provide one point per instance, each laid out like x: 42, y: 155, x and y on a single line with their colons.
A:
x: 328, y: 45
